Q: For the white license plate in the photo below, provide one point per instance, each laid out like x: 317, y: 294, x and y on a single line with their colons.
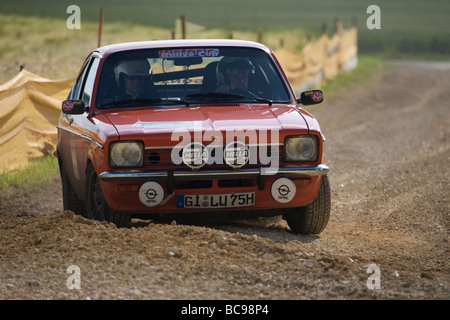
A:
x: 223, y: 200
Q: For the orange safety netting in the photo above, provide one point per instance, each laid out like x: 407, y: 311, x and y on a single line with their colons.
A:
x: 29, y: 111
x: 320, y: 60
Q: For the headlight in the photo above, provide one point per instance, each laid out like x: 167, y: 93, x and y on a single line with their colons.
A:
x: 126, y: 154
x: 301, y: 148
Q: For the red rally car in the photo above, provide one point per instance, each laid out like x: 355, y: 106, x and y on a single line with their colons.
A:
x: 182, y: 128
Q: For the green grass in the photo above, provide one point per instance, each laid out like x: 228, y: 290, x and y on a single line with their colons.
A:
x: 367, y: 68
x: 40, y: 172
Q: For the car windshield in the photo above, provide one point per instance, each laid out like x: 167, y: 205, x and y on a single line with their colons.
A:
x: 190, y: 75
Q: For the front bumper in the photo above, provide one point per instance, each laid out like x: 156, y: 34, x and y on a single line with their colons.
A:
x: 137, y: 175
x: 173, y: 182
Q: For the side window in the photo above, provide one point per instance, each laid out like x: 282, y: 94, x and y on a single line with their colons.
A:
x: 75, y: 93
x: 89, y: 82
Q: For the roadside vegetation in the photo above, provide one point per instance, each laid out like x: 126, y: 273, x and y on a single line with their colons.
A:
x: 40, y: 172
x: 369, y: 67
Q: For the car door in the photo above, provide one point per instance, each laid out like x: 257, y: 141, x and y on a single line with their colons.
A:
x: 75, y: 129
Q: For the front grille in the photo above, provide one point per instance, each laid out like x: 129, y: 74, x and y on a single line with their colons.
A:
x: 160, y: 158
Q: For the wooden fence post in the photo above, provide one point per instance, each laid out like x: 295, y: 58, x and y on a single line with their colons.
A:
x: 260, y: 36
x: 324, y: 28
x: 100, y: 25
x: 183, y: 27
x: 337, y: 25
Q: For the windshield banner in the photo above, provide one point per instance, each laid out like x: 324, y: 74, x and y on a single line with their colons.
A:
x: 185, y: 53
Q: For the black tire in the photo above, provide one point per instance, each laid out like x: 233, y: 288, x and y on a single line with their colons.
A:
x: 71, y: 201
x: 96, y: 206
x: 312, y: 218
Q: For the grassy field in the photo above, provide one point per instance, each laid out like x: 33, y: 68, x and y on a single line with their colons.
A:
x: 408, y: 27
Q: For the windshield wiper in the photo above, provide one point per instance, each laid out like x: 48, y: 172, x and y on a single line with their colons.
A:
x: 224, y: 95
x: 143, y: 101
x: 212, y: 95
x: 269, y: 102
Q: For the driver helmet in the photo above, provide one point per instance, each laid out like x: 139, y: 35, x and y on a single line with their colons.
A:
x: 228, y: 64
x: 141, y: 68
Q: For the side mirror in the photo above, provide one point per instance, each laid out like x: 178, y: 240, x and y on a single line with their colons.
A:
x: 310, y: 97
x: 73, y: 107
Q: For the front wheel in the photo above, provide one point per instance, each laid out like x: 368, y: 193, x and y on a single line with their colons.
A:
x: 96, y: 206
x: 312, y: 218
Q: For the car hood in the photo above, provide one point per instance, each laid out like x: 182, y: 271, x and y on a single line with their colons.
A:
x: 148, y: 121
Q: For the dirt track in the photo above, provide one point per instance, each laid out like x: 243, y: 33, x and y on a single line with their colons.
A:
x: 388, y: 149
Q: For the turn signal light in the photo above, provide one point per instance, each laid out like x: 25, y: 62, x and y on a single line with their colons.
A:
x: 128, y: 188
x: 302, y: 182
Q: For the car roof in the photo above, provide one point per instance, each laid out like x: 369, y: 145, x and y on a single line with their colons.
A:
x: 138, y: 45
